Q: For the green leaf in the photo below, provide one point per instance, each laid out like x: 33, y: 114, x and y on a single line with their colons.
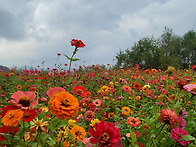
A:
x: 67, y: 57
x: 187, y: 138
x: 75, y: 59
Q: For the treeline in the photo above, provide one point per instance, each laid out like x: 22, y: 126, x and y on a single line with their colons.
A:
x: 168, y: 50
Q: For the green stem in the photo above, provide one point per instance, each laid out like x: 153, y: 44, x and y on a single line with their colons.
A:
x: 158, y: 133
x: 72, y: 58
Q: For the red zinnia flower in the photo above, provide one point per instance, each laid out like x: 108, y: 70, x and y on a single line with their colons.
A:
x: 29, y: 115
x: 105, y: 134
x: 137, y: 86
x: 169, y: 117
x: 8, y: 130
x: 77, y: 43
x: 79, y: 90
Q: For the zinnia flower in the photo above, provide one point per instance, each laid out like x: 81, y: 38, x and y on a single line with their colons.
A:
x: 97, y: 102
x: 105, y: 134
x: 79, y: 90
x: 12, y: 117
x: 134, y: 122
x: 54, y: 90
x: 193, y: 67
x: 181, y: 122
x: 64, y: 105
x: 24, y: 100
x: 29, y: 115
x: 77, y: 43
x: 126, y: 110
x: 89, y: 115
x: 7, y: 108
x: 177, y: 133
x: 78, y: 132
x: 190, y: 88
x: 7, y: 130
x: 169, y: 117
x: 104, y: 89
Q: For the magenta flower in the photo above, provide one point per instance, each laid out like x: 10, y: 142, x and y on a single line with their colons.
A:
x: 24, y: 100
x: 181, y: 122
x: 177, y: 133
x: 190, y: 88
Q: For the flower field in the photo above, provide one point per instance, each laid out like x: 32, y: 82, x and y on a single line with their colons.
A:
x: 97, y: 106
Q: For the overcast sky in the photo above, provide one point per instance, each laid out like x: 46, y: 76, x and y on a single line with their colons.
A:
x: 33, y: 31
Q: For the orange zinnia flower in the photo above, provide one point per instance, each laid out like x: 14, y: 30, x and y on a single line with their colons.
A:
x: 137, y: 98
x: 12, y: 117
x: 137, y: 86
x: 126, y: 111
x: 78, y: 132
x: 64, y: 105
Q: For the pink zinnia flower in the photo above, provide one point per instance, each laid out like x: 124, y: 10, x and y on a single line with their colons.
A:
x: 134, y: 122
x: 97, y: 102
x: 89, y: 115
x: 24, y: 100
x: 190, y: 88
x: 177, y: 133
x: 54, y: 90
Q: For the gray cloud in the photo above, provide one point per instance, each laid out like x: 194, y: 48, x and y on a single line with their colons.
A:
x: 32, y: 31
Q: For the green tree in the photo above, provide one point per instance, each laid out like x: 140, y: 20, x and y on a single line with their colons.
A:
x: 188, y: 50
x: 170, y: 45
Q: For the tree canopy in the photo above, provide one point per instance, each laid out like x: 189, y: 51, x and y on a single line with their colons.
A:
x: 168, y: 50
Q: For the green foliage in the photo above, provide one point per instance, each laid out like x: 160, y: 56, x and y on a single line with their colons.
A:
x: 168, y: 50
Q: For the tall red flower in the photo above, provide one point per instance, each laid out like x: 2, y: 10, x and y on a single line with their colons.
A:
x: 105, y: 134
x: 77, y: 43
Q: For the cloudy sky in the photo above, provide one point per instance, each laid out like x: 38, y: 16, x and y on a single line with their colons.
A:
x: 33, y: 31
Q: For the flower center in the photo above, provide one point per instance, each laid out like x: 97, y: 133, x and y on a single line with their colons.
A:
x: 11, y: 115
x: 24, y: 101
x: 79, y: 91
x: 89, y: 115
x: 26, y: 115
x: 105, y: 137
x: 193, y: 89
x: 133, y: 120
x: 78, y: 133
x: 179, y: 135
x: 77, y: 43
x: 66, y: 102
